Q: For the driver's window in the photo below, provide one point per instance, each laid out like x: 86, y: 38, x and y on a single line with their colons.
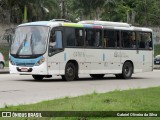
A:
x: 52, y: 40
x: 55, y: 41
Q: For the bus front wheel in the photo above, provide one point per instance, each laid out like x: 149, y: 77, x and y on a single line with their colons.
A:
x: 70, y: 72
x: 38, y: 77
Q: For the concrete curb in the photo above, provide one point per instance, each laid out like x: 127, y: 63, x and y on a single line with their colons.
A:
x: 4, y: 71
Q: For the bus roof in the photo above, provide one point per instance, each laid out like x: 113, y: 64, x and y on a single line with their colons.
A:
x: 105, y: 23
x: 88, y: 24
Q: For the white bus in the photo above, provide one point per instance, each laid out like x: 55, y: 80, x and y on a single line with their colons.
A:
x: 47, y: 48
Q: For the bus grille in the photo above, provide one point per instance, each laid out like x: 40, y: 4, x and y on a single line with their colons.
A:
x: 25, y: 64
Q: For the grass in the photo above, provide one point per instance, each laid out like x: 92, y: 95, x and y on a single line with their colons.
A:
x: 127, y: 100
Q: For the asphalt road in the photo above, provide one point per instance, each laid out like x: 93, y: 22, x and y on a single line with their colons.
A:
x: 22, y: 89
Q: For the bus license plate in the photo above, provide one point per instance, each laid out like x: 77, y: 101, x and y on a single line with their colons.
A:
x: 24, y: 69
x: 157, y: 61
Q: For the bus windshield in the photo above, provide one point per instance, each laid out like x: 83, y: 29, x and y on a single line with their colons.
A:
x: 30, y: 40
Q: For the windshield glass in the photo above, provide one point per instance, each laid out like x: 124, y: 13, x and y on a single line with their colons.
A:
x: 30, y: 40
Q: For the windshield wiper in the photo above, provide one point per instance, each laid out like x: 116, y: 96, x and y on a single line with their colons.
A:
x: 21, y: 45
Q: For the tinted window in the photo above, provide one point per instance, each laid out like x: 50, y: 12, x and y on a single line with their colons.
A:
x: 79, y: 39
x: 93, y: 38
x: 110, y: 38
x: 144, y: 40
x: 70, y: 36
x: 74, y: 37
x: 128, y: 39
x: 55, y: 42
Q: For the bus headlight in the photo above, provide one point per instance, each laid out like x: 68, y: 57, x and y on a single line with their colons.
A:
x: 40, y: 61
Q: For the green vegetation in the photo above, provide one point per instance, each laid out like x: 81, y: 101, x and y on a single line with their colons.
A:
x: 137, y: 12
x: 156, y: 50
x: 127, y: 100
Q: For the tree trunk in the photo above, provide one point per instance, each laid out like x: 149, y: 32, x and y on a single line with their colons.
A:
x: 25, y: 14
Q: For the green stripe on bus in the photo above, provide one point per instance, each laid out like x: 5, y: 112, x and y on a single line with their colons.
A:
x: 72, y: 25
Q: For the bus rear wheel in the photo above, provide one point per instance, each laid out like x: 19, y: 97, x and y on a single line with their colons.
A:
x: 97, y: 76
x: 127, y: 71
x: 70, y: 72
x: 38, y: 77
x: 119, y: 76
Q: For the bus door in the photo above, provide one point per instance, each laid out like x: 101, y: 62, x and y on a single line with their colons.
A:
x: 55, y: 49
x: 112, y: 53
x: 93, y: 51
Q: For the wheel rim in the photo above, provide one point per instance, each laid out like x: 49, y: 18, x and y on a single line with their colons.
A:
x: 70, y: 71
x: 1, y: 66
x: 127, y: 70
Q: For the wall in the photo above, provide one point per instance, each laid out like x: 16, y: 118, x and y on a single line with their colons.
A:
x: 156, y: 35
x: 3, y: 28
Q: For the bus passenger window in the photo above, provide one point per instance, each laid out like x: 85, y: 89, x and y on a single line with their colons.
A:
x: 79, y: 37
x: 93, y: 38
x: 110, y: 38
x: 105, y: 41
x: 149, y: 41
x: 145, y: 40
x: 98, y: 39
x: 128, y: 39
x: 70, y: 37
x: 133, y: 40
x: 89, y: 41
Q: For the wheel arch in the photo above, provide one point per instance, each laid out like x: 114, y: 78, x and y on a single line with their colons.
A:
x: 75, y: 63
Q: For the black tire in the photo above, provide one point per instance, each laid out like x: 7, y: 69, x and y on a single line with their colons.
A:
x: 127, y: 70
x: 70, y: 72
x: 119, y: 76
x: 38, y: 77
x: 1, y: 65
x: 97, y: 76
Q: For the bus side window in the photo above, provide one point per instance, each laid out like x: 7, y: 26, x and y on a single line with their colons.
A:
x: 110, y: 38
x: 132, y: 40
x: 149, y: 41
x: 89, y: 38
x: 126, y: 36
x: 105, y: 40
x: 79, y: 37
x: 143, y: 40
x: 70, y: 36
x: 117, y: 42
x: 98, y: 38
x: 55, y: 42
